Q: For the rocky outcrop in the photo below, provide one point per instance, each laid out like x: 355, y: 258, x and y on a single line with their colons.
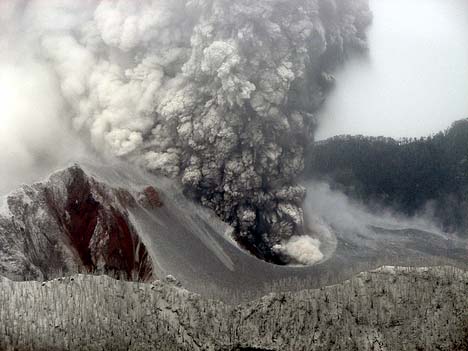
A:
x: 73, y: 223
x: 391, y: 309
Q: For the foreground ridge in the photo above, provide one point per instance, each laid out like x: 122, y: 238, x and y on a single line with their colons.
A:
x: 392, y: 308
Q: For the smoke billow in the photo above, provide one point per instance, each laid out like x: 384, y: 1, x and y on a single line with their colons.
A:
x: 302, y: 248
x: 218, y: 94
x: 34, y: 135
x: 348, y: 216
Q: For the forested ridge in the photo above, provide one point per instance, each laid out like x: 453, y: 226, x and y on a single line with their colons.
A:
x: 408, y: 175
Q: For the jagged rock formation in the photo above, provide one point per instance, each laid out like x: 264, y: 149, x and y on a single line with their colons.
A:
x: 390, y: 309
x: 217, y: 93
x: 73, y: 223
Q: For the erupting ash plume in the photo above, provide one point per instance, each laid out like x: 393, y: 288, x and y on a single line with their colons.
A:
x: 219, y: 94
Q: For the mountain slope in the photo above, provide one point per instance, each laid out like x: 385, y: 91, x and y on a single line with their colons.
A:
x: 122, y: 221
x: 73, y: 223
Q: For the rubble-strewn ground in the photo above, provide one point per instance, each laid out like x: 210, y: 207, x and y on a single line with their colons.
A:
x: 388, y: 309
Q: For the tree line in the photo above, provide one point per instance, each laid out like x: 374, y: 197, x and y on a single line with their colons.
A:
x: 409, y: 175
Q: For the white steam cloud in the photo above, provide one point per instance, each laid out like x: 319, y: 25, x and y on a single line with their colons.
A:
x: 347, y: 216
x: 303, y: 249
x: 109, y: 57
x: 96, y: 65
x: 34, y: 135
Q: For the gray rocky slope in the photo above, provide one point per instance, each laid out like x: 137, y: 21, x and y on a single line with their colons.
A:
x: 218, y: 94
x: 391, y: 309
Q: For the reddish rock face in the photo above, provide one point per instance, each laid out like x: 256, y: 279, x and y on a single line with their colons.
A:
x: 73, y: 223
x: 80, y: 218
x: 125, y: 198
x: 96, y: 223
x: 150, y: 198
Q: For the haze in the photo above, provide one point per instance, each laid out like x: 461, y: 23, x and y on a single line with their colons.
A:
x: 414, y: 81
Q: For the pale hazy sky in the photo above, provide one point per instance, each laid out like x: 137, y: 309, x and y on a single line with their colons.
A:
x: 415, y: 80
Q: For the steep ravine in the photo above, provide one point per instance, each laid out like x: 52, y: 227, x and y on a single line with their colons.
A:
x: 392, y: 309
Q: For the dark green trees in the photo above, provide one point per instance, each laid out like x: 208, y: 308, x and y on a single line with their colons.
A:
x: 408, y: 175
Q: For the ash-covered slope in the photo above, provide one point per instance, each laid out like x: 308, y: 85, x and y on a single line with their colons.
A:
x: 391, y: 309
x: 72, y: 223
x: 219, y: 94
x: 121, y: 220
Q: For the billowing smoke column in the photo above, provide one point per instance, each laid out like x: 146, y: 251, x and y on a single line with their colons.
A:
x: 217, y: 93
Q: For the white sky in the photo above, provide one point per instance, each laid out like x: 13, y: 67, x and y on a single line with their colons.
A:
x: 415, y: 81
